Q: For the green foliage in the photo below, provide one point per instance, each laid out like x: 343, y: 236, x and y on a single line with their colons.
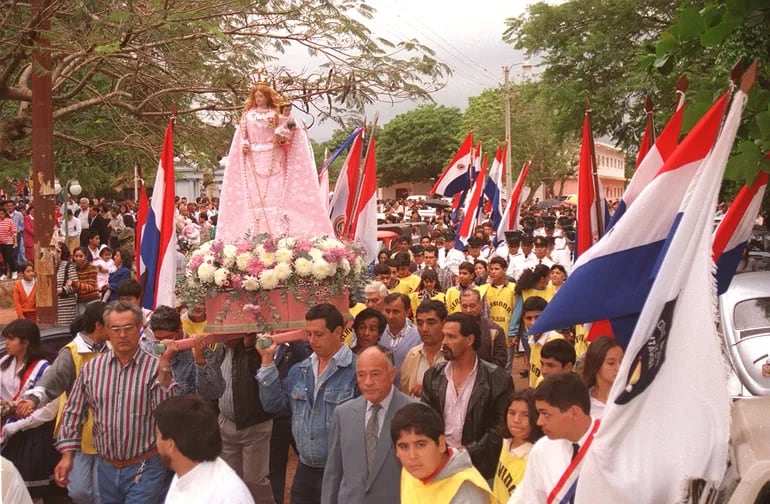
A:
x: 118, y: 68
x: 417, y: 145
x: 617, y: 51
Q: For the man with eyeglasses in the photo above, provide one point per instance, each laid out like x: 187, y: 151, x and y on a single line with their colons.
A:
x: 374, y: 294
x: 121, y: 388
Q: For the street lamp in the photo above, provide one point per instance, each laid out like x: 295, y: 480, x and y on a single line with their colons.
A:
x: 72, y: 187
x: 526, y: 68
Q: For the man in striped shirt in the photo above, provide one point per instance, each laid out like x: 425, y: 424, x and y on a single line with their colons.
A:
x: 122, y: 388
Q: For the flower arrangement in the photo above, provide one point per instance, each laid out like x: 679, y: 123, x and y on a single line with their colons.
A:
x: 310, y: 269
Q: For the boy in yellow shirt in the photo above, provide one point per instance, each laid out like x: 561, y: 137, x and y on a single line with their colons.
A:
x: 432, y: 471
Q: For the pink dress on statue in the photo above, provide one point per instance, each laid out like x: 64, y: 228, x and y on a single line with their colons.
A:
x: 272, y: 188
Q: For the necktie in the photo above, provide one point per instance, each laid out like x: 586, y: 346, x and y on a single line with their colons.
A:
x: 575, y: 449
x: 371, y: 434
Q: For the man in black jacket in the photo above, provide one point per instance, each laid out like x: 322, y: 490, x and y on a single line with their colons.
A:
x: 469, y: 393
x: 245, y: 426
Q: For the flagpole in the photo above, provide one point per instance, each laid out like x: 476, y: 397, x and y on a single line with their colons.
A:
x: 595, y: 174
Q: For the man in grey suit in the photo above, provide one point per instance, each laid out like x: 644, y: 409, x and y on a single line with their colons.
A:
x: 362, y: 465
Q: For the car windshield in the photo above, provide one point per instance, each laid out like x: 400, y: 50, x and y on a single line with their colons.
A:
x: 752, y: 314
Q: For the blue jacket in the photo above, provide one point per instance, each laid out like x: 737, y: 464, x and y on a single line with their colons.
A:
x: 311, y: 416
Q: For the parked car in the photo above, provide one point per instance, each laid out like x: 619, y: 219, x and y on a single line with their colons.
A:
x: 745, y: 326
x: 53, y: 338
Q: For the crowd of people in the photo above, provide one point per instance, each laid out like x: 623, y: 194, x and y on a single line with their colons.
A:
x: 421, y: 385
x: 417, y: 395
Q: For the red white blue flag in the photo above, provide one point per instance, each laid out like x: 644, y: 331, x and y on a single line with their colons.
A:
x: 631, y: 250
x: 590, y: 218
x: 364, y: 223
x: 672, y: 382
x: 735, y: 229
x: 158, y: 237
x: 493, y: 189
x: 467, y: 225
x: 664, y: 146
x: 457, y: 175
x: 510, y: 220
x: 343, y: 200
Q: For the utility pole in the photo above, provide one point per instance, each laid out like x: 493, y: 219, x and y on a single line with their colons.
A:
x: 507, y: 94
x: 43, y: 192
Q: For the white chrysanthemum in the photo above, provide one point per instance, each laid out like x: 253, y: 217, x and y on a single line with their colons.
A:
x: 250, y: 283
x: 334, y: 243
x: 303, y: 267
x: 209, y: 258
x: 316, y: 253
x: 221, y: 277
x: 345, y: 265
x: 242, y: 260
x: 206, y: 272
x: 287, y: 242
x: 228, y: 254
x: 284, y: 255
x: 323, y: 244
x: 268, y: 279
x: 321, y: 269
x: 267, y: 258
x: 360, y: 264
x: 282, y: 271
x: 204, y: 248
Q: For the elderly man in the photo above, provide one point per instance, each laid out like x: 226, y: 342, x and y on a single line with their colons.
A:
x: 121, y: 388
x: 375, y: 292
x: 469, y: 393
x: 362, y: 466
x: 312, y: 390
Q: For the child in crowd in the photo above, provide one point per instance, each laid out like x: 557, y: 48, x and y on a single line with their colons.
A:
x: 24, y: 294
x: 104, y: 266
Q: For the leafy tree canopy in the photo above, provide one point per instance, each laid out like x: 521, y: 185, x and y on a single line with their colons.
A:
x: 119, y: 67
x: 617, y: 51
x: 417, y: 145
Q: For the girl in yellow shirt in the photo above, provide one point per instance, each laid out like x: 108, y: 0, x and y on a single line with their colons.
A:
x: 429, y: 288
x: 519, y: 431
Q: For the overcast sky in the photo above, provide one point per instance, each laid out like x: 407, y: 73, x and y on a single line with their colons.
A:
x: 467, y: 36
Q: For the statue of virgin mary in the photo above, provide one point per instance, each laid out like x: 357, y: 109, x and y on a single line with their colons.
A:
x: 270, y: 184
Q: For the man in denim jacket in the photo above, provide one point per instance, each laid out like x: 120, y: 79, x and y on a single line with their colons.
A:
x: 312, y: 390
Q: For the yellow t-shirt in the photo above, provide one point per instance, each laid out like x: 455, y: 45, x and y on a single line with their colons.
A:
x: 546, y: 293
x: 414, y: 491
x: 191, y: 327
x: 500, y: 301
x: 406, y: 285
x: 510, y: 470
x: 581, y: 344
x: 415, y: 299
x: 535, y: 367
x: 453, y: 297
